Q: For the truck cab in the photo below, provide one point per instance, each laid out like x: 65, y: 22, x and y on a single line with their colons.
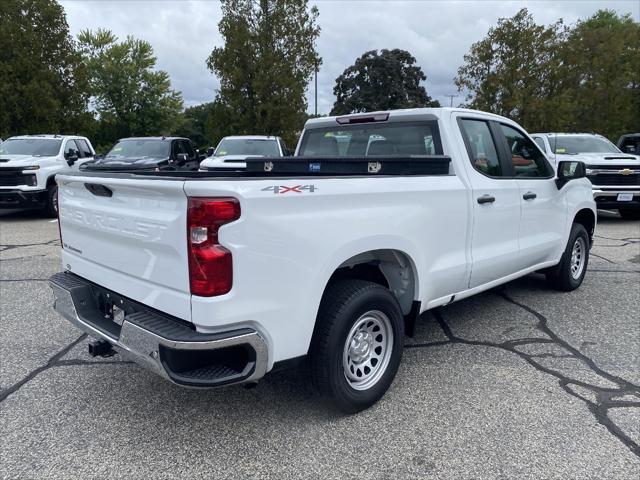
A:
x: 29, y: 164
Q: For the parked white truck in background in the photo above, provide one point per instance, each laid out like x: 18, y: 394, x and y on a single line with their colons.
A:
x: 231, y: 152
x: 218, y: 278
x: 29, y: 164
x: 615, y: 175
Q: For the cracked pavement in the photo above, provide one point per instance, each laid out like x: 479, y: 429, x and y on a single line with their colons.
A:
x: 518, y: 382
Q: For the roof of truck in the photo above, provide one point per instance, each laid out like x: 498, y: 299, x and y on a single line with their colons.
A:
x: 153, y: 138
x: 48, y: 135
x: 405, y: 113
x: 250, y: 137
x: 560, y: 134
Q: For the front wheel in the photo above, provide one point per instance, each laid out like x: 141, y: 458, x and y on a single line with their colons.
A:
x: 357, y: 344
x: 570, y: 272
x: 51, y: 208
x: 629, y: 213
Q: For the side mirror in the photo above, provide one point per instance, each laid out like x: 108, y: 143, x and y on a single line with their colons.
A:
x: 72, y: 158
x: 570, y: 170
x: 210, y: 151
x: 630, y: 148
x: 182, y: 157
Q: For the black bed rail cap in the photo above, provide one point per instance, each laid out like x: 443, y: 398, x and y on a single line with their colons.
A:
x: 363, y: 165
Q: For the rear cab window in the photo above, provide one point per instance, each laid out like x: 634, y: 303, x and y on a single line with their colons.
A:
x: 371, y: 139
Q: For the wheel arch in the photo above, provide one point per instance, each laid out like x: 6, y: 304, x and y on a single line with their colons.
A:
x: 51, y: 180
x: 587, y: 218
x: 392, y: 268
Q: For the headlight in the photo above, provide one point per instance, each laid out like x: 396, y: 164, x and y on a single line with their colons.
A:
x: 32, y: 167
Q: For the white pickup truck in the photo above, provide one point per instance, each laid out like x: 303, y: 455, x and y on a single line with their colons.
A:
x: 211, y: 279
x: 29, y: 164
x: 232, y: 152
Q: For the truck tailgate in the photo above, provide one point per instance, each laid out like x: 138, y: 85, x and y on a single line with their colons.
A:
x: 128, y: 235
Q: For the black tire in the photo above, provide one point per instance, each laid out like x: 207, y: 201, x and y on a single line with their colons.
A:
x: 51, y: 207
x: 344, y: 306
x: 563, y: 277
x: 630, y: 213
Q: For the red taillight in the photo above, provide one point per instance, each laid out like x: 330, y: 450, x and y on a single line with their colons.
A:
x: 376, y: 117
x: 210, y: 264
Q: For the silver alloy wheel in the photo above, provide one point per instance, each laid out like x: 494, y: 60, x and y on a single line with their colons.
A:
x: 578, y: 257
x: 367, y: 350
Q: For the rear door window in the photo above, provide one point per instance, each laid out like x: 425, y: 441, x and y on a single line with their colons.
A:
x: 481, y: 147
x: 373, y: 139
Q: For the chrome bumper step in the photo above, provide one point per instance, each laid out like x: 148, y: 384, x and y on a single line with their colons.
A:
x: 164, y: 345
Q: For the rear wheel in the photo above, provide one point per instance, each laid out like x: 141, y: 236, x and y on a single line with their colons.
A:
x: 629, y: 213
x: 357, y: 344
x: 570, y: 272
x: 51, y: 207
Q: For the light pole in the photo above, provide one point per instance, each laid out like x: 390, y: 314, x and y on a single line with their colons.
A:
x: 316, y: 90
x: 451, y: 97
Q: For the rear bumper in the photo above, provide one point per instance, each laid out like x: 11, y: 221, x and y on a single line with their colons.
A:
x: 608, y: 197
x: 162, y: 344
x: 15, y: 198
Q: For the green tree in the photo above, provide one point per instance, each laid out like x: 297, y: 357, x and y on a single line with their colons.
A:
x: 603, y: 63
x: 583, y: 78
x: 193, y: 124
x: 42, y: 82
x: 130, y: 97
x: 515, y: 69
x: 265, y: 64
x: 381, y: 81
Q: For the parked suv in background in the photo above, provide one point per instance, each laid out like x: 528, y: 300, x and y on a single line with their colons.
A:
x: 149, y: 153
x: 232, y: 151
x: 29, y: 164
x: 615, y: 175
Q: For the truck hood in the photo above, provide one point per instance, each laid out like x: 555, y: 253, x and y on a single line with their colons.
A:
x: 219, y: 161
x: 127, y: 164
x: 19, y: 160
x: 591, y: 159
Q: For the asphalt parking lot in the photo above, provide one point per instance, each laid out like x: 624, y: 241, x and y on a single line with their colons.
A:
x: 519, y: 382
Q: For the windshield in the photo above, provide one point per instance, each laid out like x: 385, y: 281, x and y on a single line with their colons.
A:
x: 37, y: 147
x: 137, y: 149
x: 571, y: 145
x: 247, y: 146
x: 402, y: 138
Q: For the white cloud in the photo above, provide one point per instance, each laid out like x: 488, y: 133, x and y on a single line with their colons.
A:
x: 437, y: 33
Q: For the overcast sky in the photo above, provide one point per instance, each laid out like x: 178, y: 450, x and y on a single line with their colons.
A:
x: 437, y: 33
